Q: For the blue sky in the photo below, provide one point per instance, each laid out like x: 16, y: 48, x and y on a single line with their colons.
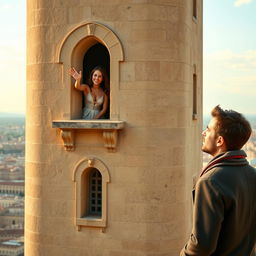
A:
x: 12, y: 55
x: 229, y: 55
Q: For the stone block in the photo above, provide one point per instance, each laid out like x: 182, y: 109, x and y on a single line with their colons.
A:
x: 147, y: 71
x: 39, y: 115
x: 32, y: 4
x: 148, y: 34
x: 144, y: 195
x: 45, y: 72
x: 106, y: 12
x: 123, y: 253
x: 164, y: 119
x: 40, y: 35
x: 38, y: 171
x: 59, y: 192
x: 152, y: 101
x: 42, y: 54
x: 152, y: 12
x: 165, y: 2
x: 175, y: 72
x: 32, y: 223
x: 78, y: 13
x: 179, y: 156
x: 127, y: 71
x: 33, y: 190
x: 151, y: 51
x: 142, y: 246
x: 39, y: 153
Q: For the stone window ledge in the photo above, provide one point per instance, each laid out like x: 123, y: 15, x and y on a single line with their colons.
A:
x: 90, y: 222
x: 69, y: 127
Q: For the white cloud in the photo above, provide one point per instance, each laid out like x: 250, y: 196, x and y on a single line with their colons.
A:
x: 228, y: 59
x: 238, y: 3
x: 230, y: 80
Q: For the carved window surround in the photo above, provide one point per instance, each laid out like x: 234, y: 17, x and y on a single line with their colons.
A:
x: 69, y: 127
x: 79, y: 175
x: 70, y: 53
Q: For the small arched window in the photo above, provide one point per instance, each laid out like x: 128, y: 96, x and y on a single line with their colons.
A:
x: 91, y: 177
x: 95, y: 193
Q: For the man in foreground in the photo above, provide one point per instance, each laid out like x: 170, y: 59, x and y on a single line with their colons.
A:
x: 224, y: 211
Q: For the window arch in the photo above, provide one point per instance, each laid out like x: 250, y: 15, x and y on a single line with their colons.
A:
x: 91, y: 177
x: 96, y: 55
x: 71, y: 52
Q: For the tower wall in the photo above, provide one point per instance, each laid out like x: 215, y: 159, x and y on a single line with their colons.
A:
x: 158, y: 151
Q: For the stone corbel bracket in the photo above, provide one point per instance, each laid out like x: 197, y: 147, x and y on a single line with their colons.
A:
x: 68, y: 137
x: 109, y: 131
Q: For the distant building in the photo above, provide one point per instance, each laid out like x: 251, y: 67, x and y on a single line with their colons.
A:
x: 11, y: 233
x: 15, y: 188
x: 11, y: 248
x: 8, y: 200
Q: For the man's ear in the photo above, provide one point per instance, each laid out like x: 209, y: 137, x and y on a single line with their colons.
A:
x: 220, y: 142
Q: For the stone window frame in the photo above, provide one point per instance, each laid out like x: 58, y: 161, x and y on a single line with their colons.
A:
x: 70, y: 53
x: 81, y: 197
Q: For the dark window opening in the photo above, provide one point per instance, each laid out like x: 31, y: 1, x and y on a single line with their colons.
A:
x: 95, y: 193
x: 97, y: 55
x: 194, y: 96
x: 194, y: 8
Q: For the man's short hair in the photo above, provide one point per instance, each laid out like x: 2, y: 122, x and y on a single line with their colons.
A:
x: 232, y: 126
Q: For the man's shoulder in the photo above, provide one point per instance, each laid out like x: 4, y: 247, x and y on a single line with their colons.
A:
x: 230, y: 176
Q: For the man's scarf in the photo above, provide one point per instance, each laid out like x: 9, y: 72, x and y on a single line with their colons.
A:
x: 219, y: 160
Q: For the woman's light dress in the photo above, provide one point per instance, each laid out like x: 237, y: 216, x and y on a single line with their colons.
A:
x: 92, y: 109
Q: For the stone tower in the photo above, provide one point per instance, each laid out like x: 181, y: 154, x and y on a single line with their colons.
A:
x: 119, y: 186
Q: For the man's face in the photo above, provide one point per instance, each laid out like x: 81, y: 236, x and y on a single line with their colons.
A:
x: 210, y: 138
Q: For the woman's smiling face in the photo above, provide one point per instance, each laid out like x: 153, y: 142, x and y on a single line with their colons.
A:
x: 97, y: 78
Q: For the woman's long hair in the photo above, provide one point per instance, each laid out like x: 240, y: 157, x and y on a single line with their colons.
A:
x: 105, y: 82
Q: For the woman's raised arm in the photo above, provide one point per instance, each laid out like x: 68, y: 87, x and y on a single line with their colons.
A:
x: 77, y: 76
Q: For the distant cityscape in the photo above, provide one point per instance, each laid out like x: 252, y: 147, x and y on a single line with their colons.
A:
x: 12, y: 161
x: 12, y: 170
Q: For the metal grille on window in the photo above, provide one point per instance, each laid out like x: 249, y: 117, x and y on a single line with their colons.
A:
x: 95, y: 203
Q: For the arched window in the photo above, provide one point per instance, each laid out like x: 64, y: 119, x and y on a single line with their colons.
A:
x: 98, y: 44
x: 95, y: 193
x: 91, y: 177
x: 97, y: 55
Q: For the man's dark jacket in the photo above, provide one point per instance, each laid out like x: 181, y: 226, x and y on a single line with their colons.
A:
x: 224, y: 220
